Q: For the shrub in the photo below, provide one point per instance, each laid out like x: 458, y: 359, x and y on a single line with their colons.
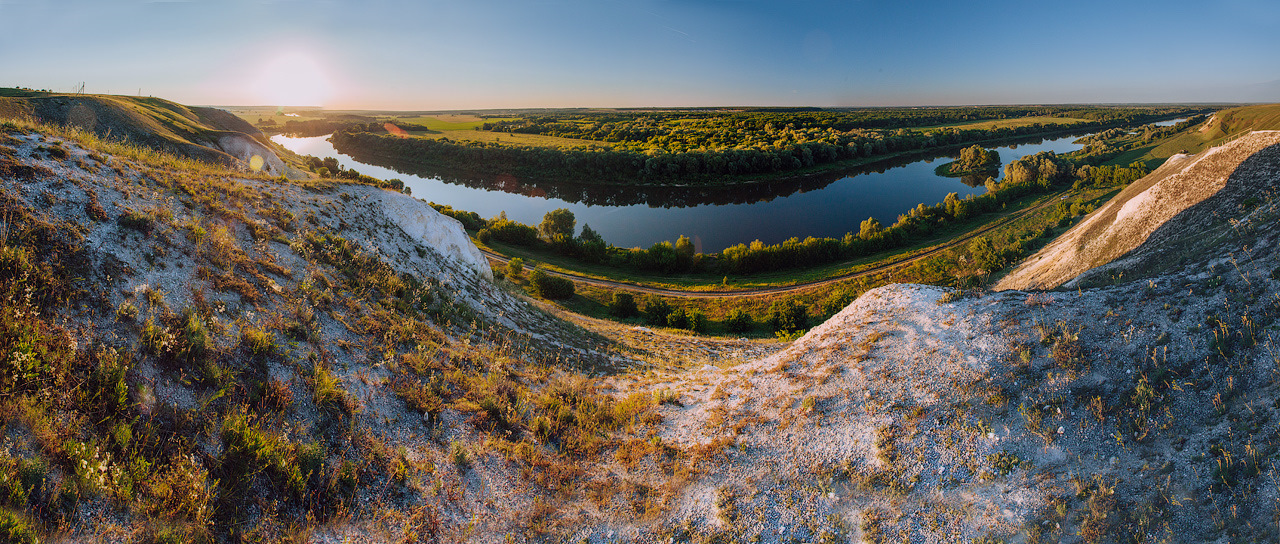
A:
x: 506, y: 230
x: 739, y: 321
x: 257, y: 341
x: 127, y: 311
x: 788, y: 317
x: 328, y: 394
x: 548, y: 286
x: 697, y: 321
x: 623, y: 306
x: 138, y: 221
x: 248, y: 449
x: 656, y: 310
x: 17, y: 530
x: 678, y: 319
x: 515, y: 267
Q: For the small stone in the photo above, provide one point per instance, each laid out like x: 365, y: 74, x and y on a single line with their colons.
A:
x: 1061, y: 430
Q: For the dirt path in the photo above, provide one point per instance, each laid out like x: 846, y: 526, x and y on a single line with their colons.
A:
x: 766, y: 291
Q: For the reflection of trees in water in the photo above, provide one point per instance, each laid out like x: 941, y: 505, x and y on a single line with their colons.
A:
x: 664, y: 196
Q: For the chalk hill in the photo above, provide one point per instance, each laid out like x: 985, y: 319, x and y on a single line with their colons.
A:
x: 1166, y: 220
x: 207, y: 134
x: 195, y: 353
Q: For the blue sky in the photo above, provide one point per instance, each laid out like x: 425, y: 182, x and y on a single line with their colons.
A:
x: 491, y: 54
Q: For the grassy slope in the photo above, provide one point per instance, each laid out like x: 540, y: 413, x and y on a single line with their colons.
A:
x: 233, y: 380
x: 1224, y: 125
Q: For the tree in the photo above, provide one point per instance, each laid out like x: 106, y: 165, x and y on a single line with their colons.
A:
x: 548, y: 286
x: 739, y: 321
x: 591, y: 246
x: 869, y: 228
x: 623, y: 305
x: 656, y: 310
x: 788, y: 317
x: 557, y: 225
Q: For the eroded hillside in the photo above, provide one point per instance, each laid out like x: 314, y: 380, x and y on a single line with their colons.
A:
x: 193, y: 353
x: 197, y: 354
x: 1161, y: 222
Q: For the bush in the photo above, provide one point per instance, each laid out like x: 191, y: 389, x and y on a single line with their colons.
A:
x: 515, y: 267
x: 697, y: 321
x: 511, y: 232
x: 656, y: 310
x: 678, y: 319
x: 623, y: 306
x: 788, y: 317
x: 138, y: 221
x: 257, y: 341
x: 17, y: 530
x: 548, y: 286
x: 739, y: 321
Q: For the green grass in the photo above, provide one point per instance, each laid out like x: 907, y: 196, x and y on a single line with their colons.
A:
x: 780, y: 278
x: 450, y: 122
x: 1012, y: 123
x: 822, y: 302
x: 1226, y: 124
x: 510, y: 139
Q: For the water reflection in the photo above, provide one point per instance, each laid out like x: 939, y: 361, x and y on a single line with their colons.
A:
x: 666, y: 196
x: 828, y: 204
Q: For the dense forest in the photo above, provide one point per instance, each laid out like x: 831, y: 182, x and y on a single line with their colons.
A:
x: 759, y: 144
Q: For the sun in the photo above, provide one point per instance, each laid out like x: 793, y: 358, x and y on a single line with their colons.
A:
x: 293, y: 79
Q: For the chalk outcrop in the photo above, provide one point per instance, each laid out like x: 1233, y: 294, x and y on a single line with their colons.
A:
x: 433, y: 229
x: 1160, y: 222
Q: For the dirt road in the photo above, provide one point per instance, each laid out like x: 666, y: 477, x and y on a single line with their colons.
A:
x: 767, y: 291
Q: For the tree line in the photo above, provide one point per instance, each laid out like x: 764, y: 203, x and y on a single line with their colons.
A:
x: 656, y: 166
x: 1032, y: 174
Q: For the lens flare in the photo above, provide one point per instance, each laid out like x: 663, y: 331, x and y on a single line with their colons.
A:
x: 293, y: 79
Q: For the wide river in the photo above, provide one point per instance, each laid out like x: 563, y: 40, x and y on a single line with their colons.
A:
x: 713, y: 218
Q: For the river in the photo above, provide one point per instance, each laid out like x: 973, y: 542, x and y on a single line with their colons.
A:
x: 714, y: 218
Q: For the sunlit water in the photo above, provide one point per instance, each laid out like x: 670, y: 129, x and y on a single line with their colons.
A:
x: 795, y: 209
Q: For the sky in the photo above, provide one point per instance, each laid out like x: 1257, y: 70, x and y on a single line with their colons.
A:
x: 477, y: 54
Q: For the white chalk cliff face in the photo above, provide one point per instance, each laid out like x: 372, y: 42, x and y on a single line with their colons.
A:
x: 245, y: 148
x: 1157, y: 220
x: 433, y: 229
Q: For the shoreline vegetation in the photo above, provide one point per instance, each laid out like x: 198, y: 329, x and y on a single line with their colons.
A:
x: 757, y: 156
x: 1053, y: 191
x: 1031, y: 175
x: 974, y: 161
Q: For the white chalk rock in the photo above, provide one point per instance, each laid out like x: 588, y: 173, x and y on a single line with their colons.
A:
x: 438, y: 231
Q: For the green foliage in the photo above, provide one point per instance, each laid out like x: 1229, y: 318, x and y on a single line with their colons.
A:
x: 703, y: 146
x: 623, y: 306
x: 106, y: 392
x: 787, y: 317
x: 470, y: 220
x: 257, y: 341
x: 548, y: 286
x: 139, y: 221
x: 1003, y: 462
x: 557, y: 225
x: 739, y: 321
x: 248, y: 450
x: 328, y: 394
x: 656, y: 310
x: 975, y: 158
x: 511, y: 232
x: 15, y: 529
x: 515, y: 267
x: 678, y: 319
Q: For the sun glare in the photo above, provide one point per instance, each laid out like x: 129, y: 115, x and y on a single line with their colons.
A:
x: 293, y: 79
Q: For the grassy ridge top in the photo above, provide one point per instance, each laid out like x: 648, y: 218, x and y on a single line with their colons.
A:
x: 1224, y: 125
